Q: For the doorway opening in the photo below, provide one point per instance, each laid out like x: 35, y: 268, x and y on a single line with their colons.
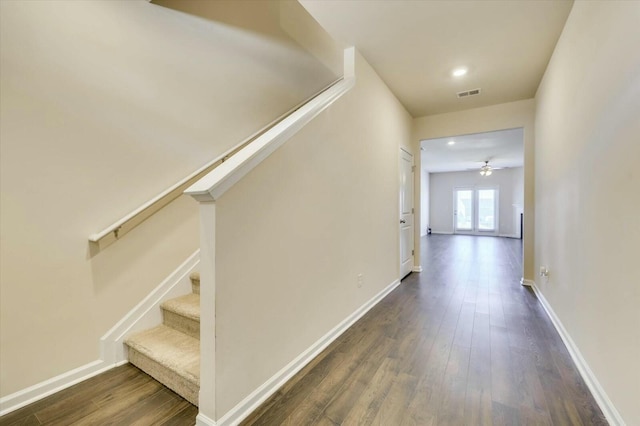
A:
x: 473, y: 184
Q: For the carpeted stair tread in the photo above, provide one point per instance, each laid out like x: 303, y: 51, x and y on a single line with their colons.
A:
x: 170, y: 353
x: 183, y: 314
x: 195, y: 282
x: 171, y: 349
x: 187, y: 306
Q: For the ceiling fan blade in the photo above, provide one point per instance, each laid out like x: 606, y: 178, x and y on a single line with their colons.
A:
x: 492, y: 168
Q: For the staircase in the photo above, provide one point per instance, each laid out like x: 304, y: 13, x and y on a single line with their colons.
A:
x: 170, y: 352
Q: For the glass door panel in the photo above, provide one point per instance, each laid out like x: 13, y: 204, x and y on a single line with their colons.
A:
x: 487, y: 210
x: 464, y: 210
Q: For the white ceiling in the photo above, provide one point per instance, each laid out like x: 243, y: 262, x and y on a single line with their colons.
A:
x: 503, y: 148
x: 415, y: 44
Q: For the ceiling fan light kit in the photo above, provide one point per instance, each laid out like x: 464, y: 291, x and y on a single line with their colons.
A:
x: 486, y: 170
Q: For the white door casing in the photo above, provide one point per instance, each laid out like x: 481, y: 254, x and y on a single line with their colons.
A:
x: 406, y: 213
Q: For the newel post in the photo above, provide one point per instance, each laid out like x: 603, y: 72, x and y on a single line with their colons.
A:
x: 211, y: 187
x: 207, y: 398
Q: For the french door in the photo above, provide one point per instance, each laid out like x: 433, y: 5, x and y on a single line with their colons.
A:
x: 475, y: 211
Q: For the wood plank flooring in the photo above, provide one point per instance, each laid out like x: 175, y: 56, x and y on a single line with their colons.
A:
x: 462, y: 343
x: 121, y: 396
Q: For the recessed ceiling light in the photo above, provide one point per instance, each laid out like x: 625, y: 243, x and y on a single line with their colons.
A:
x: 459, y: 72
x: 451, y: 143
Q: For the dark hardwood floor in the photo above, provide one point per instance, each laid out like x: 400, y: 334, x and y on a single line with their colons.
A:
x: 462, y: 343
x: 121, y: 396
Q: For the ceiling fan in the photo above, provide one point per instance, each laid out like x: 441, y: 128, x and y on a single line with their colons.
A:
x: 486, y: 169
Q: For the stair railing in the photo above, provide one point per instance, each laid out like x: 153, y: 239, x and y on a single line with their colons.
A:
x: 116, y: 230
x: 211, y: 187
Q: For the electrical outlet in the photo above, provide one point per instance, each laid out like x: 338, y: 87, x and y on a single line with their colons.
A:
x: 360, y: 280
x: 544, y: 271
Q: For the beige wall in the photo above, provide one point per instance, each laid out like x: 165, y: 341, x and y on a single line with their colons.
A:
x: 496, y: 117
x: 588, y: 192
x: 104, y: 105
x: 293, y: 235
x: 274, y: 20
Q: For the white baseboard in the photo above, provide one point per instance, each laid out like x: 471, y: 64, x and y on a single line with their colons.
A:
x: 527, y: 283
x: 202, y: 420
x: 41, y: 390
x: 147, y: 314
x: 441, y: 233
x: 417, y: 268
x: 509, y: 236
x: 603, y: 401
x: 258, y: 396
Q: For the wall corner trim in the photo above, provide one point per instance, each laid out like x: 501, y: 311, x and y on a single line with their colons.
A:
x: 268, y: 388
x: 527, y: 283
x: 417, y: 268
x: 349, y: 62
x: 603, y: 401
x: 202, y: 420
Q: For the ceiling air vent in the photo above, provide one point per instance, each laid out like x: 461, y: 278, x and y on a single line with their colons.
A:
x: 467, y: 93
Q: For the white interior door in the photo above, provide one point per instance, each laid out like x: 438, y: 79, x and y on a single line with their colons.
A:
x: 406, y: 213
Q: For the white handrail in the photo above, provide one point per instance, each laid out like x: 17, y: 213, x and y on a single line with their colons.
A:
x: 137, y: 216
x: 219, y: 180
x: 208, y: 189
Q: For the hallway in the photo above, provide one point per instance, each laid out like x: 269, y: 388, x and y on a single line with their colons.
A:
x: 462, y: 343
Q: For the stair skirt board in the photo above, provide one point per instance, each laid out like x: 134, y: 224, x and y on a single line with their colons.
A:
x: 147, y: 313
x: 250, y: 403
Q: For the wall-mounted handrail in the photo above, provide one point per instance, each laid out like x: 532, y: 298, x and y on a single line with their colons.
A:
x: 117, y: 229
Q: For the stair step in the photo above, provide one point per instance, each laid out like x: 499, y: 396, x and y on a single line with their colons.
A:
x: 195, y: 282
x: 170, y: 357
x: 183, y: 314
